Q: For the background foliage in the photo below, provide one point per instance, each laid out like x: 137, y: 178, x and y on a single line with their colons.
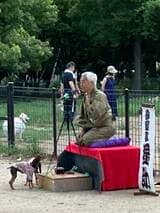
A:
x: 34, y: 34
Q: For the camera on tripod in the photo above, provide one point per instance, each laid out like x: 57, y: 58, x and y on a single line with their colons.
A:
x: 68, y: 105
x: 66, y: 96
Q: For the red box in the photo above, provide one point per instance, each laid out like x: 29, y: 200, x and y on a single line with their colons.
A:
x: 120, y: 167
x: 120, y: 164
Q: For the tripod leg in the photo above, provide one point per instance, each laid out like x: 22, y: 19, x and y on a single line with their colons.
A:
x: 68, y: 132
x: 60, y: 130
x: 74, y: 131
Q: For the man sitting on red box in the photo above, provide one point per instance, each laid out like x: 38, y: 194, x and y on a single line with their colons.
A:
x: 96, y: 122
x: 95, y: 117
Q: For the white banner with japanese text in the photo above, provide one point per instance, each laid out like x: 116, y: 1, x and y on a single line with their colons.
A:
x: 147, y: 149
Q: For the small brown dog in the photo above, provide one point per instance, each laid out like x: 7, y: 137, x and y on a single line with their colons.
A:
x: 29, y: 168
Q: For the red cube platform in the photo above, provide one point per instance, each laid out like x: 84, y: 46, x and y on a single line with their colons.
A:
x: 120, y: 164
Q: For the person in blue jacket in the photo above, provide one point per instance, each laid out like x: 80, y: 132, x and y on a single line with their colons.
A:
x: 108, y: 87
x: 69, y: 90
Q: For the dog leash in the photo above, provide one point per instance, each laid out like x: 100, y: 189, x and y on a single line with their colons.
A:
x: 49, y: 165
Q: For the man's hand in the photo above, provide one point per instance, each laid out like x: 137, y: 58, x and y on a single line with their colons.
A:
x: 87, y: 98
x: 79, y: 92
x: 80, y: 138
x: 75, y: 96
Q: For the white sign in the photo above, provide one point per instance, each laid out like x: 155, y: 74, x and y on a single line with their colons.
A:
x: 147, y: 150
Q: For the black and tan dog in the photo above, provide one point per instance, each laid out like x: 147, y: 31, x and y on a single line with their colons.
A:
x: 29, y: 168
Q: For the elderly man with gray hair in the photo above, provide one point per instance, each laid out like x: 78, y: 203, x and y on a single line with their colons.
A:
x: 95, y: 117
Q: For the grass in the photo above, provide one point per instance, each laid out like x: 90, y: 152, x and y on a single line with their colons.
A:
x: 135, y: 104
x: 40, y: 113
x: 29, y: 150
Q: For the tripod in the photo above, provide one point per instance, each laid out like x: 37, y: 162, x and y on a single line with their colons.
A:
x: 68, y: 120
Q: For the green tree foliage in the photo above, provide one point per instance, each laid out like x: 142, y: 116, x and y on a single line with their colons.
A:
x: 111, y: 23
x: 73, y: 43
x: 152, y: 19
x: 93, y: 33
x: 121, y: 26
x: 152, y: 33
x: 21, y: 23
x: 105, y: 20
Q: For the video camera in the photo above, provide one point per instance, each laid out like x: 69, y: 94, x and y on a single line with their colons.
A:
x: 66, y: 96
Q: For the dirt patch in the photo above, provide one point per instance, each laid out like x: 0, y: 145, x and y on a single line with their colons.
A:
x: 24, y: 200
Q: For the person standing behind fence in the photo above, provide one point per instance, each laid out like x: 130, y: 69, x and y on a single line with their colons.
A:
x: 68, y: 90
x: 108, y: 87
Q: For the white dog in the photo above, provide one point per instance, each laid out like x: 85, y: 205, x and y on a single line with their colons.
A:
x: 19, y: 125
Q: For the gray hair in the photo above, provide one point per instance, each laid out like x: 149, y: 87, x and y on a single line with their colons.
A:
x: 90, y: 76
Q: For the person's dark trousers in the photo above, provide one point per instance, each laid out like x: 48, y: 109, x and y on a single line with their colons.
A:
x: 69, y: 106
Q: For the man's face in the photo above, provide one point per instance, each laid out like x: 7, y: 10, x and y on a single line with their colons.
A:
x: 85, y: 85
x: 72, y: 68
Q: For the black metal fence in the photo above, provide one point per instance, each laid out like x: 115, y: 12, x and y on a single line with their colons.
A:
x: 39, y: 105
x: 45, y: 110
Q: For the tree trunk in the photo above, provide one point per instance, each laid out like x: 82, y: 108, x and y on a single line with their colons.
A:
x: 54, y: 68
x: 137, y: 61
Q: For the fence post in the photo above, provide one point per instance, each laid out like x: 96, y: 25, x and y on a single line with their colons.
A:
x: 10, y: 114
x: 54, y: 123
x: 126, y: 112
